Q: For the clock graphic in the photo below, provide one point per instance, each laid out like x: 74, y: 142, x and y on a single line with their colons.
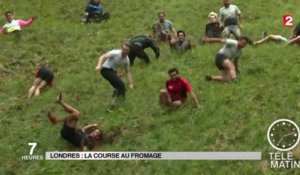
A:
x: 283, y: 135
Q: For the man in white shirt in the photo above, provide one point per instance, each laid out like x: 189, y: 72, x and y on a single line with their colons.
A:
x: 108, y: 65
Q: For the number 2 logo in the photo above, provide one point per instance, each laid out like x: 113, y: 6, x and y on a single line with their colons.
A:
x: 287, y: 20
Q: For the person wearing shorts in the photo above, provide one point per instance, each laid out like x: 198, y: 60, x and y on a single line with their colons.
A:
x: 295, y: 38
x: 231, y: 19
x: 226, y: 56
x: 85, y: 138
x: 176, y: 93
x: 275, y: 38
x: 43, y: 77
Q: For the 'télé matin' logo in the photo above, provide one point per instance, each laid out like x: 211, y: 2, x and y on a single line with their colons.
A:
x: 283, y: 135
x: 31, y: 156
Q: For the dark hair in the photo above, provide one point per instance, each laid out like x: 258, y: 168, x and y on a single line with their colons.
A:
x: 126, y: 43
x: 180, y: 31
x: 161, y: 12
x: 174, y: 69
x: 8, y: 12
x: 247, y: 39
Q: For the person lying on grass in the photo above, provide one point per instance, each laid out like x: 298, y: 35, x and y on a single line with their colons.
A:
x: 14, y: 25
x: 43, y: 77
x: 84, y: 138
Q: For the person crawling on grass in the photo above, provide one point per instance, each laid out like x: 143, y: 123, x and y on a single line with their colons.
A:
x: 43, y: 77
x: 294, y: 39
x: 138, y: 44
x: 176, y: 93
x: 84, y: 138
x: 227, y: 57
x: 14, y: 25
x: 181, y: 45
x: 94, y: 12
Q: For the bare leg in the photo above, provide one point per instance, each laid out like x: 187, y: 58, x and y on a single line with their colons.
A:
x: 71, y: 119
x: 32, y: 90
x: 164, y: 98
x: 176, y: 104
x: 40, y: 86
x: 294, y: 40
x: 268, y: 38
x: 228, y: 73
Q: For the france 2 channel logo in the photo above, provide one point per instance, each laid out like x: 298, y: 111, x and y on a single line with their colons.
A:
x: 287, y: 20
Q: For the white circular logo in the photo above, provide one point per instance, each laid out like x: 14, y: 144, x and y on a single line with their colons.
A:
x: 283, y: 135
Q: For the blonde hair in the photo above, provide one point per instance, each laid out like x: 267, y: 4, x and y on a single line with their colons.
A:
x: 213, y: 14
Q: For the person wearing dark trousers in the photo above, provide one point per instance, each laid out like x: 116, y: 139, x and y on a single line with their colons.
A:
x: 108, y: 65
x: 138, y: 44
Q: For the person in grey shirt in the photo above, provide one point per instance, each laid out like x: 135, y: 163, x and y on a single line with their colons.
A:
x: 163, y: 29
x: 226, y: 55
x: 181, y: 45
x: 231, y: 19
x: 108, y: 65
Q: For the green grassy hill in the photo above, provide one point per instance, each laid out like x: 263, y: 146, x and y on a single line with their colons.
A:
x: 234, y: 117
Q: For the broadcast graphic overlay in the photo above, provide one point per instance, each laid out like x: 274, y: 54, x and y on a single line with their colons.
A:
x: 283, y: 135
x: 31, y: 155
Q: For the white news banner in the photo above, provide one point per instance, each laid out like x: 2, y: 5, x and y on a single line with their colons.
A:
x: 153, y: 155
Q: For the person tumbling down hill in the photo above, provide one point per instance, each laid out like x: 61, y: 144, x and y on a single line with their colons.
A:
x: 294, y: 39
x: 138, y: 44
x: 43, y: 77
x: 85, y: 138
x: 176, y: 93
x: 14, y: 25
x: 226, y: 58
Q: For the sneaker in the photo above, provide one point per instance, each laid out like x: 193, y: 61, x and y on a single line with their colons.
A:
x: 52, y: 119
x: 208, y: 78
x: 58, y: 98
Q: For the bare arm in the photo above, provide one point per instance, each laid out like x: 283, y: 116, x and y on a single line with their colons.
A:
x: 194, y: 97
x: 129, y: 77
x: 174, y: 33
x: 214, y: 40
x: 101, y: 60
x: 90, y: 128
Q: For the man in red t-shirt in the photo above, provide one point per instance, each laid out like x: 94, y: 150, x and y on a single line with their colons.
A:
x: 176, y: 93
